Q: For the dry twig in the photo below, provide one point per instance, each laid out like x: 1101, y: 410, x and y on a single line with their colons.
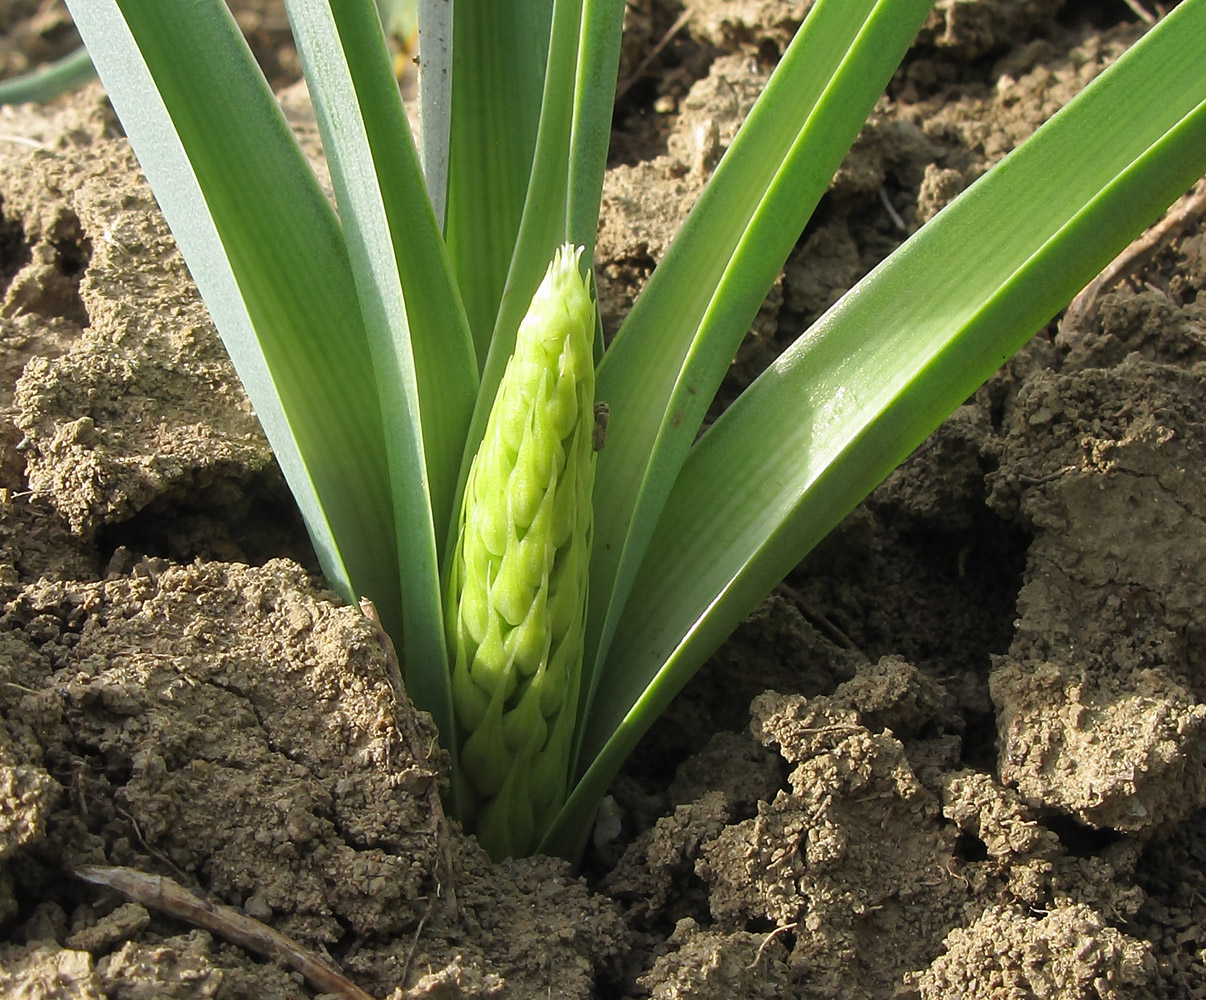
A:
x: 818, y: 619
x: 1143, y: 14
x: 768, y: 939
x: 625, y: 85
x: 1183, y: 213
x: 160, y: 893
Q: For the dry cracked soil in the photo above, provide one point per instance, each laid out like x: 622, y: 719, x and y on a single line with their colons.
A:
x: 958, y: 753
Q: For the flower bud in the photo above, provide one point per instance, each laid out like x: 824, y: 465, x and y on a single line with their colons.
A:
x: 517, y: 586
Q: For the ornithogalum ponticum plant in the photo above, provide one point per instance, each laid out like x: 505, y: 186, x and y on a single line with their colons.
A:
x: 439, y: 434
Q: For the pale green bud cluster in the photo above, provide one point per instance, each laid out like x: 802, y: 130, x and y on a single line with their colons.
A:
x: 517, y: 586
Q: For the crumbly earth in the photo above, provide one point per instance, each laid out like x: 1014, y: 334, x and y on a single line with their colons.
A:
x: 959, y: 752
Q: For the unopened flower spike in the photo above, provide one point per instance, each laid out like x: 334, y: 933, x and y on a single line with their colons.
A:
x: 516, y: 598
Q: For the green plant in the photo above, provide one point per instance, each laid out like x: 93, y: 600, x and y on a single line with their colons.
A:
x: 48, y: 81
x: 75, y: 69
x: 372, y: 345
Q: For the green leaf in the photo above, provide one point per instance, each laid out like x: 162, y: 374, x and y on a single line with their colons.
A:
x: 47, y: 82
x: 597, y: 62
x: 875, y: 375
x: 666, y: 363
x: 498, y: 64
x: 417, y: 333
x: 268, y: 256
x: 435, y: 98
x: 579, y: 82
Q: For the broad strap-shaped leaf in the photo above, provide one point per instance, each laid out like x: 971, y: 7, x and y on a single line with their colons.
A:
x: 579, y: 84
x: 533, y: 86
x: 435, y: 99
x: 268, y: 255
x: 416, y: 328
x: 562, y: 203
x: 665, y: 365
x: 597, y: 64
x: 498, y: 60
x: 875, y: 375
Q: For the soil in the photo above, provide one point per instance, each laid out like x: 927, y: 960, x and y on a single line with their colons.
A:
x: 959, y: 752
